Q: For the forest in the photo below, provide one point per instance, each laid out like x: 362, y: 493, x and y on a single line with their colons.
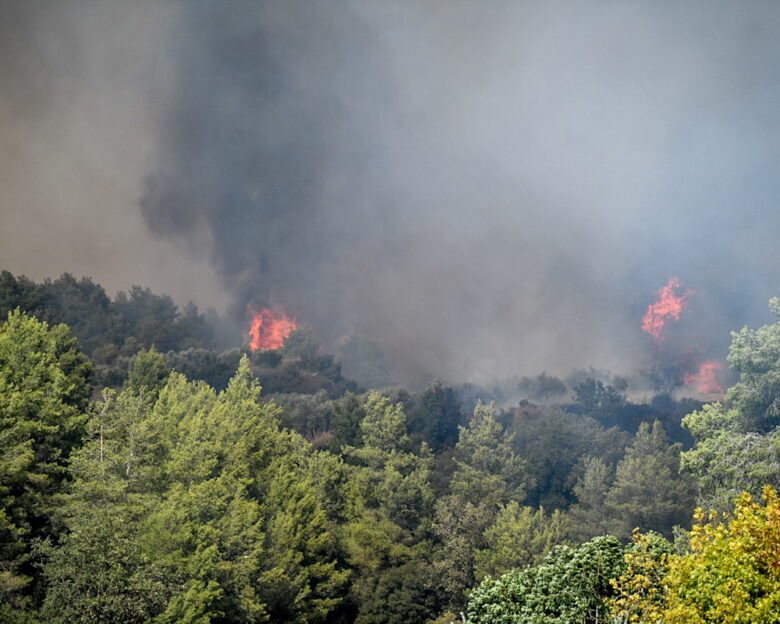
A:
x: 149, y: 474
x: 389, y: 312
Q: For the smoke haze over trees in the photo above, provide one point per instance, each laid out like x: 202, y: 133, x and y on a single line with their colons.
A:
x: 484, y: 189
x: 451, y: 224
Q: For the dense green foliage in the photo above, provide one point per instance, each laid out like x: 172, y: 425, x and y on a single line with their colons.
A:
x: 184, y: 494
x: 110, y: 331
x: 43, y: 393
x: 571, y: 585
x: 105, y: 327
x: 193, y: 507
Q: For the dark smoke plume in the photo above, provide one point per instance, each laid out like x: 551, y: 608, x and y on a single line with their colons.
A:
x: 486, y: 188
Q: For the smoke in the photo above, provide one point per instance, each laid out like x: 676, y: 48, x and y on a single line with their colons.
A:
x: 84, y: 86
x: 485, y: 188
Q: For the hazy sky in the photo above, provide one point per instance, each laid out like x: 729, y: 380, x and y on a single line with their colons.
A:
x: 84, y: 86
x: 486, y: 188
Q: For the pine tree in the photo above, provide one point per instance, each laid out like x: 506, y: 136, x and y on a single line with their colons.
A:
x: 43, y: 392
x: 649, y: 492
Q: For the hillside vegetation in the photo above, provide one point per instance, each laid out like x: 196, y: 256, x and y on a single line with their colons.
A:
x: 147, y: 477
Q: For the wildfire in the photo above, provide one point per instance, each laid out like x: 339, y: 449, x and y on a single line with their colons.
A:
x: 705, y: 380
x: 268, y: 328
x: 670, y: 304
x: 667, y: 370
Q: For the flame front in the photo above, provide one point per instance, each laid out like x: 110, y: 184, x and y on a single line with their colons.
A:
x: 669, y: 306
x: 705, y: 380
x: 268, y: 328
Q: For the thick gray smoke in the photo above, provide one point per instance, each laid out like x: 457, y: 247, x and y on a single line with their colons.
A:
x: 486, y: 188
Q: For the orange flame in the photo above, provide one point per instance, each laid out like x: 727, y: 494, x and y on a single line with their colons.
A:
x: 705, y: 379
x: 269, y: 328
x: 669, y: 306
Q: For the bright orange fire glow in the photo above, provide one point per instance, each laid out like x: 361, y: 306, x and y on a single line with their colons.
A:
x: 705, y: 380
x: 268, y: 328
x: 671, y: 302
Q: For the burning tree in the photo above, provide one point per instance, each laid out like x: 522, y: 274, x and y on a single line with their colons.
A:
x: 668, y: 372
x: 268, y: 328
